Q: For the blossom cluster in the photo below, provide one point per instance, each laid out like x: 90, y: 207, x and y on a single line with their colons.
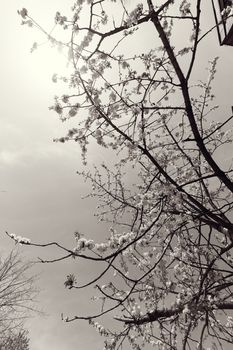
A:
x: 136, y: 310
x: 83, y: 243
x: 228, y: 11
x: 19, y: 239
x: 115, y: 241
x: 101, y: 329
x: 60, y: 19
x: 185, y: 8
x: 229, y: 323
x: 134, y: 16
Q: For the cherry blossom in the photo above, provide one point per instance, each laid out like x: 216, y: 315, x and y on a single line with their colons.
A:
x: 166, y: 198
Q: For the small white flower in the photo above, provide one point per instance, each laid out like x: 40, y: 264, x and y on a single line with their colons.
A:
x: 90, y: 244
x: 23, y: 13
x: 98, y: 133
x: 83, y: 69
x: 58, y: 108
x: 73, y: 111
x: 34, y: 47
x: 186, y: 310
x: 225, y: 230
x: 54, y: 78
x: 101, y: 247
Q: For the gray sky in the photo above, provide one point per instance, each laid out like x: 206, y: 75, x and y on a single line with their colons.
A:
x: 42, y: 193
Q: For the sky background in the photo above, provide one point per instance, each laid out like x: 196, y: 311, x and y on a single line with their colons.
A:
x: 41, y: 194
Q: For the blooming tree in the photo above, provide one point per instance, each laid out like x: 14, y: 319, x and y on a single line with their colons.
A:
x: 167, y: 277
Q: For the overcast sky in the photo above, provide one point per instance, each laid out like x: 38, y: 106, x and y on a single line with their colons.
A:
x: 40, y: 194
